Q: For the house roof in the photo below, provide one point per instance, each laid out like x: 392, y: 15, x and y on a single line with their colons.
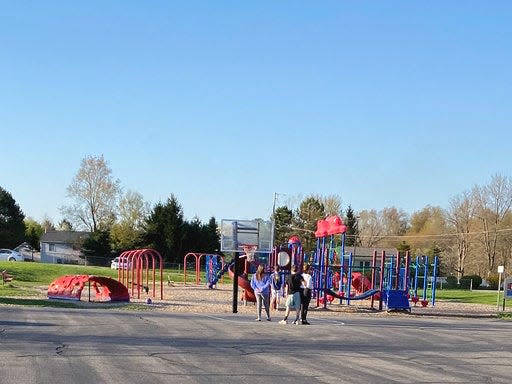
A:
x: 64, y: 237
x: 365, y: 251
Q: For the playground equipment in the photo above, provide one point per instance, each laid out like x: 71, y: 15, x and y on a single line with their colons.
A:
x: 422, y: 268
x: 325, y: 254
x: 70, y: 287
x: 213, y: 264
x: 388, y: 282
x: 137, y: 276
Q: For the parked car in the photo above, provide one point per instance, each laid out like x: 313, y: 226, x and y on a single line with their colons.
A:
x: 114, y: 264
x: 10, y: 255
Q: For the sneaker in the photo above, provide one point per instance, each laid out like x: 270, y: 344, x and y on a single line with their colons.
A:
x: 283, y: 322
x: 268, y: 319
x: 258, y: 319
x: 295, y: 322
x: 305, y: 322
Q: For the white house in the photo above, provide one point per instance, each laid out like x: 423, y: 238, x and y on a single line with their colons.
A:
x: 62, y: 247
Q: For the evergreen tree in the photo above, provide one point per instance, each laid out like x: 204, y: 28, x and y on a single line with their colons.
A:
x: 12, y: 226
x: 352, y: 233
x: 164, y: 230
x: 283, y: 217
x: 310, y: 211
x: 96, y: 248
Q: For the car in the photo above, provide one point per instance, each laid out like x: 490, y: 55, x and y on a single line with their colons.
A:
x: 114, y: 264
x: 10, y: 255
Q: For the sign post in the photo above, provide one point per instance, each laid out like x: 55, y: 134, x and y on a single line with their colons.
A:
x: 501, y: 269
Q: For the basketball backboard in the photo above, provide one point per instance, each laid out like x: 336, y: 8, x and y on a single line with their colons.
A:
x: 236, y: 233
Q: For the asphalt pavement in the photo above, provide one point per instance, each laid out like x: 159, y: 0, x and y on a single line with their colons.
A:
x: 53, y: 345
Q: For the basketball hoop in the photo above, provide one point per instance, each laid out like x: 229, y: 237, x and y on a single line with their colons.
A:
x: 250, y: 250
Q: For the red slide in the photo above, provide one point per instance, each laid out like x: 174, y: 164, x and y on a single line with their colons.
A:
x: 245, y: 284
x: 361, y: 283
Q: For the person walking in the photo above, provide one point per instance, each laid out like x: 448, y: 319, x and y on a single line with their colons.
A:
x: 293, y: 283
x: 260, y: 283
x: 275, y: 288
x: 307, y: 287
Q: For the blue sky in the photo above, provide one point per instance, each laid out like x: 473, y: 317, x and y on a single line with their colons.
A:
x: 224, y: 103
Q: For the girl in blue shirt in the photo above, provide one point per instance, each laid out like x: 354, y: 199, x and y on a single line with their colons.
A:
x: 260, y: 283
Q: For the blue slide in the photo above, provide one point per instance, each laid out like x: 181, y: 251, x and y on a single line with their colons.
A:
x: 362, y: 296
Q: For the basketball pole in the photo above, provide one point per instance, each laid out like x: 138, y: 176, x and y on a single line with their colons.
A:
x: 235, y: 283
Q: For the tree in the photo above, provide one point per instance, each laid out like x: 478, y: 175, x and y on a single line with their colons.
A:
x: 164, y: 229
x: 460, y: 216
x: 332, y: 205
x: 12, y: 227
x: 65, y: 225
x: 370, y: 228
x: 428, y: 224
x: 95, y: 194
x: 96, y: 248
x: 352, y: 233
x: 33, y: 233
x: 48, y: 225
x: 127, y: 231
x: 211, y: 236
x: 494, y: 202
x: 283, y: 217
x: 309, y: 212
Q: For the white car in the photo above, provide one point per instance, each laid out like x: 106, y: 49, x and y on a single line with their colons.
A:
x: 114, y: 264
x: 10, y: 255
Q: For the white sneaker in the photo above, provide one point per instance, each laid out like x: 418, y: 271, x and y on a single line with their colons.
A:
x: 258, y: 319
x: 283, y: 322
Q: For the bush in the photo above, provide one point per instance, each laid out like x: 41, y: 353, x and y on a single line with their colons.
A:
x: 465, y: 281
x: 451, y: 282
x: 493, y: 281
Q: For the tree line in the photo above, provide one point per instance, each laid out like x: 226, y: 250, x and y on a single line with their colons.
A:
x: 472, y: 235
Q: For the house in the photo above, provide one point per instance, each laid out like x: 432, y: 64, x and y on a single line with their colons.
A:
x: 62, y: 247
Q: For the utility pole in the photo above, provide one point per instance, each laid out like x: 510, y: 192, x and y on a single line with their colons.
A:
x: 273, y: 222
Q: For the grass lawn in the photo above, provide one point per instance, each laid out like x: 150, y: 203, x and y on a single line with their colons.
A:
x: 30, y: 278
x: 467, y: 296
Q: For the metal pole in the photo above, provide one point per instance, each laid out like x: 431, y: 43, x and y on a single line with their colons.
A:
x: 499, y: 289
x: 273, y: 233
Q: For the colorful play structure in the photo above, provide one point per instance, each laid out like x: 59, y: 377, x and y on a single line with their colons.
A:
x: 390, y: 280
x: 213, y: 264
x: 140, y: 272
x: 105, y: 289
x: 133, y: 274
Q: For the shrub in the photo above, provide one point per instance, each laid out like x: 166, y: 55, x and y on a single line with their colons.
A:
x: 493, y: 281
x: 465, y: 281
x: 451, y: 282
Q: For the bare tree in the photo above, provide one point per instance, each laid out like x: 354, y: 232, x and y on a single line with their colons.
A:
x: 493, y: 204
x: 461, y: 216
x: 95, y: 194
x: 332, y: 204
x: 371, y: 229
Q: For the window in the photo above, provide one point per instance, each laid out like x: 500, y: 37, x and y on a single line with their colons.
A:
x: 51, y: 247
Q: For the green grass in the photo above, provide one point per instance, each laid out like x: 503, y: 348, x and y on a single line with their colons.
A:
x: 466, y: 296
x: 30, y: 278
